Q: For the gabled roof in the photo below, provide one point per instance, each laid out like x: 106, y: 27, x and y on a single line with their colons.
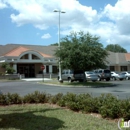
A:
x: 48, y: 50
x: 19, y: 50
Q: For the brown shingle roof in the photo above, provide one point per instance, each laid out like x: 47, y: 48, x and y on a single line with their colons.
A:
x: 19, y: 50
x: 48, y: 50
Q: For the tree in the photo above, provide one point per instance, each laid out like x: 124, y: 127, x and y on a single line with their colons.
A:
x: 115, y: 48
x: 79, y: 51
x: 9, y: 69
x: 55, y: 44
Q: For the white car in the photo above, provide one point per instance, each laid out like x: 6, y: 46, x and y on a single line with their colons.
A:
x: 126, y: 74
x: 114, y: 76
x: 91, y: 76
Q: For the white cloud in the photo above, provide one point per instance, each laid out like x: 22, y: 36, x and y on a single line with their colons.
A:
x: 46, y: 36
x: 2, y: 5
x: 112, y: 24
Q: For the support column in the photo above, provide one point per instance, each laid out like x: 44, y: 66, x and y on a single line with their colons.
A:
x: 50, y: 71
x: 44, y: 69
x: 15, y: 67
x: 50, y: 68
x: 30, y: 56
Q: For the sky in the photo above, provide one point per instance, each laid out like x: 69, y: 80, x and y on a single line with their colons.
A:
x: 34, y: 22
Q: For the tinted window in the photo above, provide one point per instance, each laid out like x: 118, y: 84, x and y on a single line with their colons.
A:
x: 106, y: 71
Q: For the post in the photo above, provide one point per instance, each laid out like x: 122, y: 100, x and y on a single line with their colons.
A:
x: 59, y: 11
x: 43, y: 75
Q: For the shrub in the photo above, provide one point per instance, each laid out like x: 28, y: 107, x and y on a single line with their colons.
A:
x: 110, y: 107
x: 55, y: 99
x: 36, y: 97
x: 7, y: 99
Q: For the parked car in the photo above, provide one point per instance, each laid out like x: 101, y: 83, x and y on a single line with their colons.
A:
x: 103, y: 74
x: 122, y: 76
x: 71, y: 75
x: 114, y: 75
x: 91, y: 76
x: 126, y: 75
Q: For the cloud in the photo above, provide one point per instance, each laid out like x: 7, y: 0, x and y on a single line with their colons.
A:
x: 46, y: 36
x: 2, y: 5
x: 111, y: 23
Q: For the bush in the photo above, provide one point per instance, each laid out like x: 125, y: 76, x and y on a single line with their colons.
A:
x: 55, y: 99
x: 36, y: 97
x: 7, y: 99
x: 110, y: 107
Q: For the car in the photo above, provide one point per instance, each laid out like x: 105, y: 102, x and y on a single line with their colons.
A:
x: 72, y: 75
x: 103, y: 74
x: 126, y: 75
x: 122, y: 76
x: 91, y: 76
x: 114, y: 75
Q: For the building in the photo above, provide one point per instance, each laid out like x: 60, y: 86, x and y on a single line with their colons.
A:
x: 28, y: 59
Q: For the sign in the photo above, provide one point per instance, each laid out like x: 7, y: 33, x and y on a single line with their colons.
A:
x: 42, y: 67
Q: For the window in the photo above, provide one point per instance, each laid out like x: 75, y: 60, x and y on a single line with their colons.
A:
x: 34, y: 57
x: 54, y: 69
x: 24, y: 56
x: 123, y: 68
x: 112, y: 68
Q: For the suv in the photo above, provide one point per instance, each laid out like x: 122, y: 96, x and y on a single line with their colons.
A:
x: 70, y: 75
x: 103, y: 74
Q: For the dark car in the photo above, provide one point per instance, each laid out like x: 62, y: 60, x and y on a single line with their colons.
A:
x: 103, y: 74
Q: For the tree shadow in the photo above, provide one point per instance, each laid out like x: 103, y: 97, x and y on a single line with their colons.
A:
x: 31, y: 120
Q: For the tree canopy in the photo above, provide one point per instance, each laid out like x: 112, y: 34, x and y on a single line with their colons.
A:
x: 79, y: 51
x: 115, y: 48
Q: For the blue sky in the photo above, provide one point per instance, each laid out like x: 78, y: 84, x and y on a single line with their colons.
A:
x: 34, y: 22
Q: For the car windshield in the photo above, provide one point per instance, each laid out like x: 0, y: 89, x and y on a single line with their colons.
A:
x: 106, y: 71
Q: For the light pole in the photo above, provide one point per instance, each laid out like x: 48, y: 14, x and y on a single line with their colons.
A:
x: 59, y: 11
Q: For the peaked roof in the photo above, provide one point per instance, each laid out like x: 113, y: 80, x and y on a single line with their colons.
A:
x: 19, y: 50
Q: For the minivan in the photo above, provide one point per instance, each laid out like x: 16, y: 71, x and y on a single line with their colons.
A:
x: 103, y: 74
x: 71, y: 75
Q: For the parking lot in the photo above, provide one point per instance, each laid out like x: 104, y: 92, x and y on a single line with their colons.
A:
x: 121, y: 89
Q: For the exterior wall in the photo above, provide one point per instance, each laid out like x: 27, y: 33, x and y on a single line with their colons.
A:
x: 117, y: 68
x: 2, y: 70
x: 38, y: 68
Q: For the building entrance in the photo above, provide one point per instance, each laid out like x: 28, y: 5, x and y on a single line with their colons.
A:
x: 27, y: 69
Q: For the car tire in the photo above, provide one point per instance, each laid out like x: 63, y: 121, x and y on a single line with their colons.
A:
x: 107, y: 79
x: 113, y: 78
x: 127, y: 78
x: 69, y: 80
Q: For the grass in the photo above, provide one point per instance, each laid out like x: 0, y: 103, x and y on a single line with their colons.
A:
x: 47, y: 117
x: 76, y: 84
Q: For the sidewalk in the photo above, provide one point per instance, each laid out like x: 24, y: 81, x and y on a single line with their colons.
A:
x: 36, y: 79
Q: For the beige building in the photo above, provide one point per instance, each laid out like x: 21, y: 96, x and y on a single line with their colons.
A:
x: 28, y: 59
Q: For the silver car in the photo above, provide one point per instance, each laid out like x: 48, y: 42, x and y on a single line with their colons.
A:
x: 91, y: 76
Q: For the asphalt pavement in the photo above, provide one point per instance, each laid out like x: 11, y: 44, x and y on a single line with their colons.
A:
x: 121, y: 89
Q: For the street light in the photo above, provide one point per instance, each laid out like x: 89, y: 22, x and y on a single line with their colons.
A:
x: 59, y: 11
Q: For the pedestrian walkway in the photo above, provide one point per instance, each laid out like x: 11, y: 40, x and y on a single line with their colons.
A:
x: 36, y: 79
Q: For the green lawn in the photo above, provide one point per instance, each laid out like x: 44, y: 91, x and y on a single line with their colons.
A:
x: 47, y: 117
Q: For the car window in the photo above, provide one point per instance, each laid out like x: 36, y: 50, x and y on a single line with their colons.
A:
x: 106, y: 71
x: 66, y: 72
x: 100, y: 71
x: 71, y: 72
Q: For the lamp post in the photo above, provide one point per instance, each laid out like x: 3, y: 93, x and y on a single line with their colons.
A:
x: 59, y: 11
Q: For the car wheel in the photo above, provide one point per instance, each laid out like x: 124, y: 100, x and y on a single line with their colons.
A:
x: 69, y: 80
x: 93, y: 80
x: 113, y: 78
x: 99, y: 79
x: 127, y: 78
x: 107, y: 79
